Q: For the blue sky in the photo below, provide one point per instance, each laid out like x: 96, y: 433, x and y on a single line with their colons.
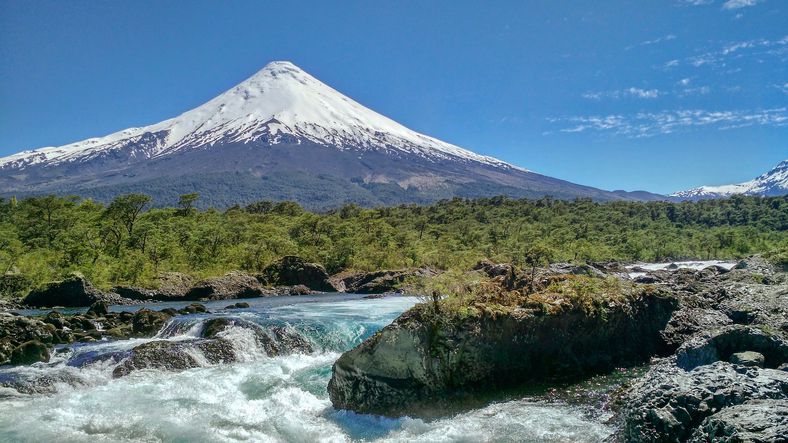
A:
x: 655, y: 95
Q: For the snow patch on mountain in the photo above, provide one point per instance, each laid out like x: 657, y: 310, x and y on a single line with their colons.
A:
x: 774, y: 182
x: 279, y: 104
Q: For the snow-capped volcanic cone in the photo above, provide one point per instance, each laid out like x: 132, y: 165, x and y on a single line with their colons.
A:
x: 281, y: 134
x: 772, y: 183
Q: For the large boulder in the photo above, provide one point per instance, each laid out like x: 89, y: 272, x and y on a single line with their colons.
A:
x: 229, y: 286
x: 29, y: 352
x: 175, y: 355
x: 669, y: 403
x: 679, y: 396
x: 20, y: 336
x: 291, y: 270
x: 97, y: 309
x: 74, y: 291
x: 757, y: 421
x: 148, y: 322
x: 273, y: 340
x: 423, y: 360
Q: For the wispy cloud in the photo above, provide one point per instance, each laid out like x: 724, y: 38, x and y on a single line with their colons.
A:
x: 623, y: 93
x: 734, y: 50
x: 649, y: 124
x: 738, y: 4
x: 783, y: 87
x: 728, y: 4
x: 664, y: 38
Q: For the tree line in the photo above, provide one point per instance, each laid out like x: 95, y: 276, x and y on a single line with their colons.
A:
x: 128, y: 242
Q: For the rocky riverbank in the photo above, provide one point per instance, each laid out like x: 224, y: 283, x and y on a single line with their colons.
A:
x: 716, y: 339
x: 288, y: 276
x: 26, y: 340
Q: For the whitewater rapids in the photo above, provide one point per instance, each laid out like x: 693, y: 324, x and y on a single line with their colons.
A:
x: 74, y: 398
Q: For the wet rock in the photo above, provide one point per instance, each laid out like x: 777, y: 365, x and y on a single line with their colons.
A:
x: 299, y: 290
x: 748, y: 358
x: 239, y: 305
x: 175, y: 355
x: 194, y: 308
x: 29, y: 352
x: 97, y: 309
x: 292, y: 270
x: 120, y: 332
x: 273, y: 340
x: 229, y: 286
x: 148, y: 322
x: 212, y: 327
x: 56, y: 319
x: 757, y: 421
x: 421, y: 361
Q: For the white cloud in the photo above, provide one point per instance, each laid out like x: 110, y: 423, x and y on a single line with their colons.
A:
x: 643, y: 93
x: 684, y: 81
x: 665, y: 38
x: 623, y: 93
x: 670, y: 64
x: 737, y: 4
x: 649, y: 124
x: 735, y: 50
x: 702, y: 90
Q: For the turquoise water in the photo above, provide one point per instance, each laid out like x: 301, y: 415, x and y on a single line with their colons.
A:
x: 75, y: 399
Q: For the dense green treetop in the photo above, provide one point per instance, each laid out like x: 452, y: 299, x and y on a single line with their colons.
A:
x: 127, y: 242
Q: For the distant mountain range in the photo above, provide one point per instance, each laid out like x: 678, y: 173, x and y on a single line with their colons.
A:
x: 772, y: 183
x: 281, y: 134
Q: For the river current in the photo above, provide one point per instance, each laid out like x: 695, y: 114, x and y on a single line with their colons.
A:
x: 74, y: 397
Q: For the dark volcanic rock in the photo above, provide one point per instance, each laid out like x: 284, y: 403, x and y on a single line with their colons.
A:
x: 687, y: 322
x: 679, y: 393
x: 229, y: 286
x: 291, y: 270
x: 710, y: 347
x: 492, y: 269
x: 418, y: 362
x: 175, y: 355
x: 148, y: 322
x: 172, y: 286
x: 669, y: 403
x: 757, y: 421
x: 273, y: 340
x: 381, y: 281
x: 73, y: 291
x: 97, y: 309
x: 239, y: 305
x: 29, y: 352
x: 748, y: 358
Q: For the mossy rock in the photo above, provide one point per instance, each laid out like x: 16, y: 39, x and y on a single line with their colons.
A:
x: 29, y: 352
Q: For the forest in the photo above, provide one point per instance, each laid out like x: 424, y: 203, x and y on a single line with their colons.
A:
x: 129, y: 241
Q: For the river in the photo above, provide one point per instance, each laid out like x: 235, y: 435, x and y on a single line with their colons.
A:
x: 74, y: 397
